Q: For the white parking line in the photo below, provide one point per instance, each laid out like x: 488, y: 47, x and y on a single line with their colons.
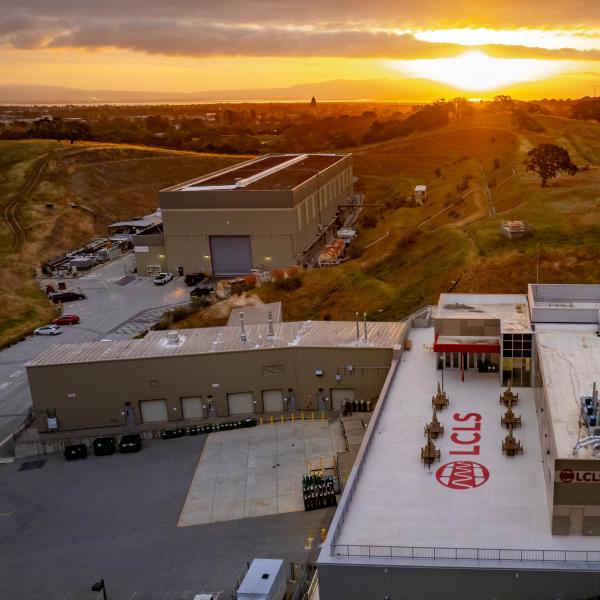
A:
x: 4, y: 385
x: 16, y: 373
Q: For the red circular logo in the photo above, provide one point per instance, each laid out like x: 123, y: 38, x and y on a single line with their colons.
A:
x: 566, y: 475
x: 462, y: 474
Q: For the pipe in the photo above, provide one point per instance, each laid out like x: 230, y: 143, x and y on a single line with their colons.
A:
x: 365, y: 321
x: 357, y: 329
x: 243, y: 336
x: 270, y: 322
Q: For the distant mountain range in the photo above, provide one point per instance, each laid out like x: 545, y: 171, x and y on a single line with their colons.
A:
x: 341, y: 89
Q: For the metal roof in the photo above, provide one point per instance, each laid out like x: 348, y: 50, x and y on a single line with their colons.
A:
x: 312, y: 334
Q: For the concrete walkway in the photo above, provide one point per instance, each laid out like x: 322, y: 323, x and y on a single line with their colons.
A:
x: 257, y: 471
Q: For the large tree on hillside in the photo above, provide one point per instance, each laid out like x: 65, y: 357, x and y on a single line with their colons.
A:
x: 547, y: 160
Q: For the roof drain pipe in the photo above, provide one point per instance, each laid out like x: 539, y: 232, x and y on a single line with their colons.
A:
x: 357, y: 329
x: 243, y: 336
x: 365, y: 321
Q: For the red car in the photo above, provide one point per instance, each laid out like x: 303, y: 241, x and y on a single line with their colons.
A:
x: 66, y: 320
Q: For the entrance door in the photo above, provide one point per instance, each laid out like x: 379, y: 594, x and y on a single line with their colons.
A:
x: 272, y: 400
x: 338, y: 395
x: 152, y: 270
x: 576, y: 521
x: 231, y: 255
x: 191, y: 407
x: 241, y: 403
x: 154, y: 411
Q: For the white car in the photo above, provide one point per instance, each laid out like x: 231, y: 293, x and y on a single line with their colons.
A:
x: 48, y: 330
x: 163, y: 278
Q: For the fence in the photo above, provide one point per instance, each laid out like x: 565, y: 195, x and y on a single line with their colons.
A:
x: 497, y: 554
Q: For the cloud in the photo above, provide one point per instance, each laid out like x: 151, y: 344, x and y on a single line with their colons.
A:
x: 352, y: 28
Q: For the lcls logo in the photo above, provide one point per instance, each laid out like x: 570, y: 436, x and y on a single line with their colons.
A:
x: 462, y: 475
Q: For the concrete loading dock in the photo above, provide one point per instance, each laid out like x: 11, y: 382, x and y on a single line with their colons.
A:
x: 302, y: 366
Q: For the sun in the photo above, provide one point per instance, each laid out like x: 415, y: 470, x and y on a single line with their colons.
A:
x: 476, y: 71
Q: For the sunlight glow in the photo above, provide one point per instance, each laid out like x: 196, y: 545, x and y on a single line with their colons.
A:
x: 476, y: 71
x: 529, y: 38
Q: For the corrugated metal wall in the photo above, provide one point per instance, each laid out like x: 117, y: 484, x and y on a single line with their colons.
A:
x: 406, y: 583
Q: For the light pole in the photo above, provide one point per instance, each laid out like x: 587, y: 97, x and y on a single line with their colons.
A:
x: 100, y: 587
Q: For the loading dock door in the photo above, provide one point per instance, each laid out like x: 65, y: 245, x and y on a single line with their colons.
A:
x: 272, y: 400
x: 338, y: 395
x: 240, y: 403
x: 191, y: 407
x: 231, y: 255
x: 154, y: 411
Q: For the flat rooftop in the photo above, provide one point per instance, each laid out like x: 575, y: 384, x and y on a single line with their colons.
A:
x: 311, y: 334
x: 397, y: 511
x: 267, y: 173
x: 564, y: 303
x: 511, y: 309
x: 570, y: 362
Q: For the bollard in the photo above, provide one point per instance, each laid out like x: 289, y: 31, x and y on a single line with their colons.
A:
x: 323, y: 534
x: 293, y: 417
x: 260, y: 420
x: 312, y: 415
x: 271, y: 419
x: 322, y: 415
x: 282, y: 419
x: 302, y: 415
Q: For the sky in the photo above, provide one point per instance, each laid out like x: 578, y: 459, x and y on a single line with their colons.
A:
x: 477, y: 47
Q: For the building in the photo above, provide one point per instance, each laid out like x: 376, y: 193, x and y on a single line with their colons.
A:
x: 479, y: 523
x: 174, y: 376
x: 265, y: 212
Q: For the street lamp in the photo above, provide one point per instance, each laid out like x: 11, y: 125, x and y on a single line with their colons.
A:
x: 100, y: 587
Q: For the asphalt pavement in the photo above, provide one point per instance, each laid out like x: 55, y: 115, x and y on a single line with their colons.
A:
x: 119, y: 304
x: 65, y: 525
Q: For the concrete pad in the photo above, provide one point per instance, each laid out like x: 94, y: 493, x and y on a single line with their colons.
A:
x: 255, y: 472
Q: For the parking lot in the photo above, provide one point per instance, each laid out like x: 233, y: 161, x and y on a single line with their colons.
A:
x: 119, y: 304
x: 64, y: 525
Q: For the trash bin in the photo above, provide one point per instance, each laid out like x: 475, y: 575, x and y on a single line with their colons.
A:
x: 75, y: 451
x: 104, y: 446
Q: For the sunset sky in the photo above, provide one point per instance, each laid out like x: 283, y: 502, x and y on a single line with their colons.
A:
x: 538, y: 47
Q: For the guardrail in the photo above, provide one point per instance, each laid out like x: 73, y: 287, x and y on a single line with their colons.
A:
x: 497, y: 554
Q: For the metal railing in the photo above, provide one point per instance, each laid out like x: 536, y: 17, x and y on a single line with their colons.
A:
x: 433, y: 553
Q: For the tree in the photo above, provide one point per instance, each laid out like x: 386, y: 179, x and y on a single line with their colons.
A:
x: 547, y: 160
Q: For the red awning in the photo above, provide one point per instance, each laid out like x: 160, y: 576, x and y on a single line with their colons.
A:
x: 468, y: 347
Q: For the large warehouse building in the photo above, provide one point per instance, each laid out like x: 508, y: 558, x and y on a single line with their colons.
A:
x: 188, y: 374
x: 265, y: 212
x: 480, y: 523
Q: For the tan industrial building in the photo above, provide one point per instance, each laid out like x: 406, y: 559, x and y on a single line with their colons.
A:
x: 262, y: 213
x: 171, y: 376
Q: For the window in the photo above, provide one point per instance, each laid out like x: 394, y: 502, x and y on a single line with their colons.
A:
x: 269, y: 370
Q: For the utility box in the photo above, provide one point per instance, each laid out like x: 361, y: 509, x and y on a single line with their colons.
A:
x: 265, y: 580
x: 420, y: 194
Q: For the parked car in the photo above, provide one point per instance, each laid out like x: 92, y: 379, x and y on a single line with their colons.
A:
x: 201, y: 291
x: 48, y: 330
x: 67, y: 296
x: 192, y: 279
x: 66, y: 320
x: 163, y: 278
x: 104, y: 446
x: 131, y: 442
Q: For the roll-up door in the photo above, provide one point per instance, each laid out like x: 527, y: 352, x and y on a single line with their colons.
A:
x: 272, y: 400
x: 191, y: 407
x: 154, y: 411
x: 231, y: 255
x: 241, y: 403
x: 338, y: 395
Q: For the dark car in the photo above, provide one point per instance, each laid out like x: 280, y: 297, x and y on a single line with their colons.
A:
x: 67, y: 296
x: 104, y: 446
x: 201, y: 291
x: 131, y: 442
x: 75, y: 451
x: 194, y: 278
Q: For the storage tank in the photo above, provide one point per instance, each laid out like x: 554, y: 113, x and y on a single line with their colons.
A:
x: 265, y: 580
x: 332, y: 252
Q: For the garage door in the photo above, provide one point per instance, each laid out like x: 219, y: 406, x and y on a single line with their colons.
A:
x: 338, y: 395
x: 153, y: 411
x: 272, y: 400
x: 191, y: 407
x: 231, y: 255
x: 240, y: 404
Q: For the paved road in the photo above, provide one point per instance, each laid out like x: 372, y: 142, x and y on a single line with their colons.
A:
x: 67, y: 524
x: 111, y: 311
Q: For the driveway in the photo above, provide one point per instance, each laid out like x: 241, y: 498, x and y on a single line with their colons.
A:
x: 119, y: 304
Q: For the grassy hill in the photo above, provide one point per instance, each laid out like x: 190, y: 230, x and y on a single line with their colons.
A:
x: 462, y: 248
x: 114, y: 181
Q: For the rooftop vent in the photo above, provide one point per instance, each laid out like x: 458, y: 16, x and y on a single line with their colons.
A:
x: 173, y: 338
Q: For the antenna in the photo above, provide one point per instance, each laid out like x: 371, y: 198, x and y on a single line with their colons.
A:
x: 365, y: 321
x: 270, y: 321
x: 243, y: 336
